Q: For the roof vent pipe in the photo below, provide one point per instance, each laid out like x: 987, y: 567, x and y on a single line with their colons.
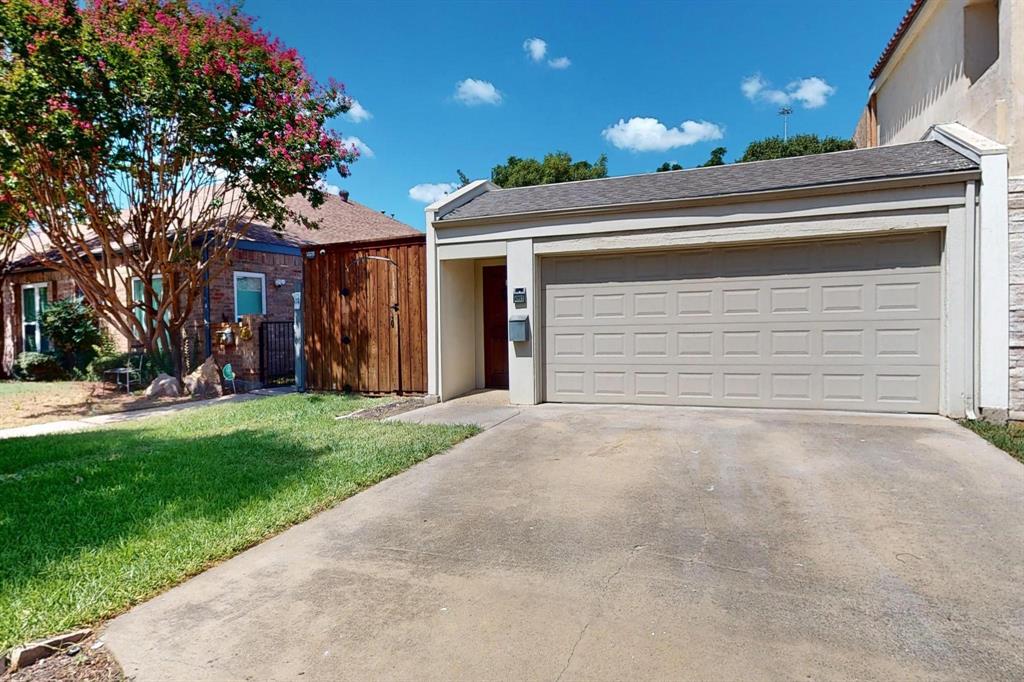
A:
x: 344, y: 195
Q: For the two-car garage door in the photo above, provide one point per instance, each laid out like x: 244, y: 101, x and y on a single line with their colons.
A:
x: 843, y: 324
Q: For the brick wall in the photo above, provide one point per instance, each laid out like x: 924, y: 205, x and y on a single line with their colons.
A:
x: 242, y: 353
x: 244, y: 356
x: 10, y: 325
x: 1016, y: 201
x: 274, y: 266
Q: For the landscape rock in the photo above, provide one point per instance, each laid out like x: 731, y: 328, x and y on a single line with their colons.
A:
x: 205, y: 381
x: 164, y: 386
x: 23, y: 656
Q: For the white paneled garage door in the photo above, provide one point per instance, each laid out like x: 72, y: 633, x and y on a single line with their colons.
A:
x: 845, y: 324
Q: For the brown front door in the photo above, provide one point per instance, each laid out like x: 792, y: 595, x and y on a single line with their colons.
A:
x: 495, y: 327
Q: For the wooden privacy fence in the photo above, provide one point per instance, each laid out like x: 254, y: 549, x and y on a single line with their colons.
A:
x: 365, y: 316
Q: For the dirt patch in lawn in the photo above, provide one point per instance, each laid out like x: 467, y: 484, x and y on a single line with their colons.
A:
x: 388, y: 409
x: 24, y: 403
x: 87, y: 661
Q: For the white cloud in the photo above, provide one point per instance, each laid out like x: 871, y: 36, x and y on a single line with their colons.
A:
x: 812, y: 92
x: 535, y: 48
x: 357, y: 113
x: 472, y: 92
x: 428, y: 192
x: 325, y: 186
x: 752, y: 86
x: 649, y: 134
x: 364, y: 149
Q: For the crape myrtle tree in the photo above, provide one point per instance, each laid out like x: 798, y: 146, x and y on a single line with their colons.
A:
x: 140, y: 138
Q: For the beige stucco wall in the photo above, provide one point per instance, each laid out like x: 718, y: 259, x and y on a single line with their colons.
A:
x: 457, y: 322
x: 924, y: 82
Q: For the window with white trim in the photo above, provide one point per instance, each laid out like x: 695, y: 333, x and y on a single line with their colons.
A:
x: 34, y: 300
x: 250, y: 294
x: 139, y: 297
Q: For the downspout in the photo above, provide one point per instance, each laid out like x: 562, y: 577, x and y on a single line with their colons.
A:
x: 971, y: 339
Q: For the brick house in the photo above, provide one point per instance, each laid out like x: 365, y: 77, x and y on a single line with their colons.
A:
x: 256, y: 287
x: 962, y: 62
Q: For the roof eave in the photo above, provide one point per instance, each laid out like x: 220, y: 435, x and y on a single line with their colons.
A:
x: 904, y: 27
x: 916, y: 179
x: 459, y: 197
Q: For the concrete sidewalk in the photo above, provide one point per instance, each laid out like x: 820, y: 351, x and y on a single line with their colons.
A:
x: 86, y: 423
x: 485, y: 409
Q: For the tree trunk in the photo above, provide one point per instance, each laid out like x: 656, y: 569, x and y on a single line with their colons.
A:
x: 3, y: 327
x: 177, y: 357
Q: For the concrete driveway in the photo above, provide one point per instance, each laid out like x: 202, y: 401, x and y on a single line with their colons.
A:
x: 610, y: 543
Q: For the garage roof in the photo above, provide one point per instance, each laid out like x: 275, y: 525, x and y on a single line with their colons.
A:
x: 879, y: 163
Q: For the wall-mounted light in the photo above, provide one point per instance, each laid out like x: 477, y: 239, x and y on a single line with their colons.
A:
x: 280, y: 282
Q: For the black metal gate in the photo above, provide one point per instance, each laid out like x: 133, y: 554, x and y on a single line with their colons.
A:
x: 277, y: 353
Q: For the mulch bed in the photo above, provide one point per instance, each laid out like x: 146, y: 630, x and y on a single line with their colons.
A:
x: 381, y: 412
x: 87, y: 665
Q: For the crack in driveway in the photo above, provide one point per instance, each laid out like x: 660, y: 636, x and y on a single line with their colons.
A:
x: 604, y: 588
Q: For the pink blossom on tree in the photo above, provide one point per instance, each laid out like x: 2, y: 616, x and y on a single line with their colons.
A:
x: 149, y: 134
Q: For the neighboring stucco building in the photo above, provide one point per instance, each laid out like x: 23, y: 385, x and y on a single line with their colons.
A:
x: 962, y: 61
x: 263, y: 272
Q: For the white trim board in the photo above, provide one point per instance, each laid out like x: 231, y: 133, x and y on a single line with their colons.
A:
x: 917, y: 199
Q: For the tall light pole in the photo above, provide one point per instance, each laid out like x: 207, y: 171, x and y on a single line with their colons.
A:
x: 785, y: 113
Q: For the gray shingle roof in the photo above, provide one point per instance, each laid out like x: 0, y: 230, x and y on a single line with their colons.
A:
x: 340, y: 220
x: 896, y: 161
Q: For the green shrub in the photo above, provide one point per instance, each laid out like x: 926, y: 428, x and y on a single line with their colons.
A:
x: 32, y: 366
x: 101, y: 363
x: 107, y: 357
x: 72, y: 328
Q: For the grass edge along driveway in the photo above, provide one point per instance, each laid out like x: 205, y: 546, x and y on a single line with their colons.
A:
x: 92, y: 523
x: 1007, y: 437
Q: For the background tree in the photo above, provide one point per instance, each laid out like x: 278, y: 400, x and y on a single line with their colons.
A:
x: 463, y: 178
x: 140, y: 138
x: 797, y: 145
x: 556, y: 167
x: 717, y: 158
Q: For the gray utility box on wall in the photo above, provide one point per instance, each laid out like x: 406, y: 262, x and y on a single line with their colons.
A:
x: 518, y: 327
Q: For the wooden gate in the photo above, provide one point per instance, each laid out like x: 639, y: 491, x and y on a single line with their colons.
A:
x: 365, y: 316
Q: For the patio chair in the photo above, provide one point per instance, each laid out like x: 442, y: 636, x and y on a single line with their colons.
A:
x: 229, y: 375
x: 132, y: 369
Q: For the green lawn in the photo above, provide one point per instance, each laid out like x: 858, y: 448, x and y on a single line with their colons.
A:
x: 25, y: 389
x: 1008, y: 437
x: 91, y: 523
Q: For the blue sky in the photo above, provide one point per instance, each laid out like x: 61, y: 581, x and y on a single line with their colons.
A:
x: 682, y: 78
